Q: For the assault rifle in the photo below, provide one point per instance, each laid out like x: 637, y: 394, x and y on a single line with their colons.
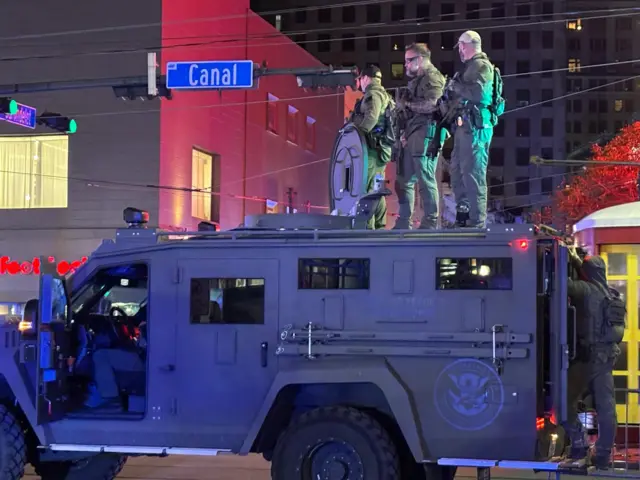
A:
x: 444, y: 114
x: 400, y: 123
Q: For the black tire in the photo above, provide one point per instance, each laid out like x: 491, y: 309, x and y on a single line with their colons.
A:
x: 357, y: 439
x: 13, y: 449
x: 104, y: 466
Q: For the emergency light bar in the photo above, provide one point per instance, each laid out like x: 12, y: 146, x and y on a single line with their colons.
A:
x: 134, y: 217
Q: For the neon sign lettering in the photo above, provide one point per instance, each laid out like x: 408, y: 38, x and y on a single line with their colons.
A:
x: 15, y: 267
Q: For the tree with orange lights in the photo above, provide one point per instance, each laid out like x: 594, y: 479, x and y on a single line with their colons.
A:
x: 600, y: 186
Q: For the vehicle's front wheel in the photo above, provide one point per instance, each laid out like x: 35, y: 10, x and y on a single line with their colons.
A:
x: 13, y: 450
x: 335, y: 443
x: 105, y: 466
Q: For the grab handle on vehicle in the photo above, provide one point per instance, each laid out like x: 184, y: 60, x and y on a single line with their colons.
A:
x: 574, y: 342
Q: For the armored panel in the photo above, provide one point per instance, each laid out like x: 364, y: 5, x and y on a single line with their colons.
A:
x: 300, y: 221
x: 348, y: 169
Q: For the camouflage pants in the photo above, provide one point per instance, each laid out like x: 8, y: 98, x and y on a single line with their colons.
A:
x: 594, y: 376
x: 415, y: 167
x: 377, y: 165
x: 468, y: 171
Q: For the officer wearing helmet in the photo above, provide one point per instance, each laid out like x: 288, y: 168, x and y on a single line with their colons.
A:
x: 600, y: 324
x: 369, y: 115
x: 478, y: 105
x: 414, y: 164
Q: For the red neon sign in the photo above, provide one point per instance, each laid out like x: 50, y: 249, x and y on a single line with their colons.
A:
x: 14, y: 267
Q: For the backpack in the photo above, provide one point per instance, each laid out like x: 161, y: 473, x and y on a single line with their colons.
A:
x: 612, y: 322
x: 498, y: 101
x: 385, y: 131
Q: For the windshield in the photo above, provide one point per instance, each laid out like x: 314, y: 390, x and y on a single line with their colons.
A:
x: 109, y: 288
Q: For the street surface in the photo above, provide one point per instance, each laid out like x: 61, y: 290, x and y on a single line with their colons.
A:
x: 251, y: 467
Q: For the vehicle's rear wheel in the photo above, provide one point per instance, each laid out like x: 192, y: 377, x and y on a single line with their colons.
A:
x: 105, y: 466
x: 335, y: 443
x: 13, y: 450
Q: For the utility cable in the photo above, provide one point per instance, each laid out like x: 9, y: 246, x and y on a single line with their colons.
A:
x: 213, y: 44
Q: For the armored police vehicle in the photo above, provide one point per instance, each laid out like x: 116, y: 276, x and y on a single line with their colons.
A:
x: 335, y: 352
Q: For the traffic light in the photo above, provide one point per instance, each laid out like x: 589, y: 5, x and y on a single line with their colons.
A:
x: 55, y: 121
x: 332, y: 79
x: 8, y: 106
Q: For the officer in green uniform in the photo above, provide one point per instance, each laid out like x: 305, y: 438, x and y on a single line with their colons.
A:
x: 369, y: 116
x: 414, y: 166
x: 472, y: 131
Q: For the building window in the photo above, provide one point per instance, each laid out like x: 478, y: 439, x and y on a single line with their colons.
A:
x: 310, y: 137
x: 301, y: 16
x: 523, y: 95
x: 577, y: 126
x: 234, y: 301
x: 617, y: 105
x: 547, y: 127
x: 577, y: 106
x: 373, y: 14
x: 497, y: 10
x: 574, y: 24
x: 522, y: 185
x: 447, y: 12
x: 373, y: 43
x: 522, y: 127
x: 324, y: 43
x: 397, y: 13
x: 573, y: 45
x: 546, y: 153
x: 422, y: 11
x: 523, y: 40
x: 603, y: 106
x: 447, y: 68
x: 397, y: 43
x: 547, y: 39
x: 496, y: 157
x: 496, y: 186
x: 473, y: 11
x: 546, y: 94
x: 498, y: 130
x: 574, y: 65
x: 474, y: 273
x: 547, y: 8
x: 333, y: 273
x: 522, y: 157
x: 324, y: 15
x: 598, y: 44
x: 546, y: 185
x: 423, y: 38
x: 292, y: 124
x: 348, y: 14
x: 201, y: 184
x: 497, y: 40
x: 348, y: 43
x: 523, y: 11
x: 397, y: 71
x: 272, y: 113
x: 523, y: 68
x: 448, y: 40
x: 547, y: 68
x: 629, y: 105
x: 34, y: 172
x: 624, y: 24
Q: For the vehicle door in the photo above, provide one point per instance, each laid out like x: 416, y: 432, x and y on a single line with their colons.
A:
x: 53, y: 345
x: 227, y: 336
x: 562, y: 331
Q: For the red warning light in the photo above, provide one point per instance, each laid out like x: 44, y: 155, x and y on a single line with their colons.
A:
x: 523, y: 244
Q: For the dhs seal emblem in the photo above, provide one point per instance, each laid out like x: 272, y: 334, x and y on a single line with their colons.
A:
x: 469, y: 394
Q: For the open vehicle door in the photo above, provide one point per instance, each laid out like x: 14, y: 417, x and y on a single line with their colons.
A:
x: 52, y: 321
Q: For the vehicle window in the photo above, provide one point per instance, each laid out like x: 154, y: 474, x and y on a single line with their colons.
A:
x: 227, y: 300
x: 333, y: 273
x: 124, y: 287
x: 474, y: 273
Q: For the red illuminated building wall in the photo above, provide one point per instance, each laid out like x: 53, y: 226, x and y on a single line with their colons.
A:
x: 260, y: 148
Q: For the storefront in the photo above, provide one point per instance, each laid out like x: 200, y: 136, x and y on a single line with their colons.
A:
x: 21, y: 264
x: 614, y: 233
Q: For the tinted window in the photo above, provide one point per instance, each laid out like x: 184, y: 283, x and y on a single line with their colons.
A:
x: 333, y: 273
x: 227, y: 300
x: 474, y: 274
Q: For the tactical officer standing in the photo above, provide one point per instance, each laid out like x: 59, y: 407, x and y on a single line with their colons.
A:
x: 600, y: 324
x: 478, y: 105
x: 369, y: 115
x: 418, y: 128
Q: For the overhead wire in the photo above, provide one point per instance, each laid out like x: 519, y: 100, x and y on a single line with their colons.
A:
x: 185, y: 189
x: 213, y: 43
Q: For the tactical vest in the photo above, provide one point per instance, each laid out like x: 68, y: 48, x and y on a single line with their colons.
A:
x: 609, y: 322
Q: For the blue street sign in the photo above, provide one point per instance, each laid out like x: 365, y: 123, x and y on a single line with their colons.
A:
x: 25, y: 117
x: 216, y: 75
